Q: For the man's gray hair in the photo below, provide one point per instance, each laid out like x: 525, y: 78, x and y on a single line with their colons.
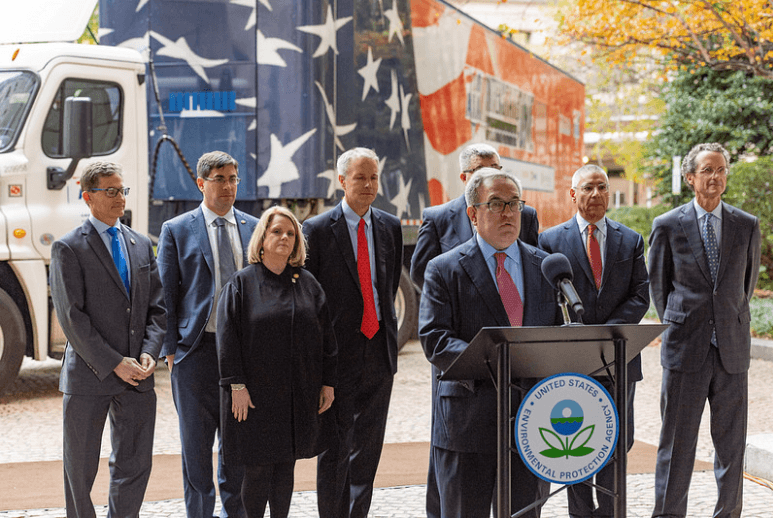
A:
x: 96, y: 170
x: 689, y: 163
x: 214, y: 160
x: 358, y: 152
x: 587, y: 169
x: 473, y: 150
x: 482, y: 175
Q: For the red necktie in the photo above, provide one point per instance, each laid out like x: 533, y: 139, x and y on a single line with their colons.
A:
x: 594, y: 255
x: 369, y: 319
x: 508, y: 292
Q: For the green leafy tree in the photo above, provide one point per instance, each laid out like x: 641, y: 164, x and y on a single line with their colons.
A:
x: 731, y: 108
x: 750, y: 188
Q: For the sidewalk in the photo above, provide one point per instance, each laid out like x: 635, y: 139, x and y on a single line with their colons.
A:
x: 409, y: 422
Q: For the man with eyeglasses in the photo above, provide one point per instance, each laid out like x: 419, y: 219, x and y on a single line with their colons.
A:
x: 704, y: 262
x: 445, y: 227
x: 610, y: 276
x: 492, y: 280
x: 198, y: 251
x: 107, y: 294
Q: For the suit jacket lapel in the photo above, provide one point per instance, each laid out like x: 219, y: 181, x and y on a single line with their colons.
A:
x: 103, y: 254
x: 531, y: 267
x: 575, y: 244
x: 199, y: 225
x: 613, y: 240
x: 344, y: 240
x: 134, y: 261
x: 729, y: 218
x: 474, y: 264
x: 688, y: 219
x: 244, y: 233
x: 379, y: 230
x: 461, y: 223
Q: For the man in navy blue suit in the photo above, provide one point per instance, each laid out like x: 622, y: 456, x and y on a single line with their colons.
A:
x: 445, y: 227
x: 197, y: 252
x: 493, y: 279
x: 355, y: 252
x: 616, y: 291
x: 704, y: 264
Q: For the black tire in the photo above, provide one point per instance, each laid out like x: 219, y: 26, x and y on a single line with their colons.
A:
x: 406, y: 310
x: 13, y: 340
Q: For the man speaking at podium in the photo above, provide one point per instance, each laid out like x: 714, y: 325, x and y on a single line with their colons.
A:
x: 610, y: 276
x: 491, y: 280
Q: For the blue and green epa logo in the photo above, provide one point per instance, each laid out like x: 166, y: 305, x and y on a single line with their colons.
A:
x: 566, y: 419
x: 566, y: 428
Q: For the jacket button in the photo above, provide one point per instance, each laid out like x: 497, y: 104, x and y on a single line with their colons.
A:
x: 128, y: 310
x: 711, y: 322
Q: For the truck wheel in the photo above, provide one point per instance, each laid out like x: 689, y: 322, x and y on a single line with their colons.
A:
x: 406, y: 309
x: 12, y: 340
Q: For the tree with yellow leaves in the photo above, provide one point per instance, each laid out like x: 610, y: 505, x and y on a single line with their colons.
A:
x: 717, y: 34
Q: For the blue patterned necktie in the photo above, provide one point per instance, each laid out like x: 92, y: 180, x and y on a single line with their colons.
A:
x: 227, y: 262
x: 710, y: 245
x: 118, y: 258
x: 712, y: 254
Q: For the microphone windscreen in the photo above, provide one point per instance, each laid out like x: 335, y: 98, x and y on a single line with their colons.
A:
x: 556, y: 267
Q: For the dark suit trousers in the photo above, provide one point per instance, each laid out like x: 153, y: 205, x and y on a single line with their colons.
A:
x: 580, y: 496
x: 196, y: 391
x: 682, y: 400
x: 132, y: 421
x: 346, y: 470
x: 467, y: 484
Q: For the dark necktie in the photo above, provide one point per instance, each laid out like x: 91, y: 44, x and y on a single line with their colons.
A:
x: 712, y: 254
x: 118, y: 258
x: 225, y: 252
x: 594, y: 255
x: 710, y: 245
x: 369, y: 325
x: 508, y: 292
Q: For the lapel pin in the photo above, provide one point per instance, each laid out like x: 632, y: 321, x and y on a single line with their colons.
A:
x: 131, y: 240
x: 243, y: 221
x: 295, y: 276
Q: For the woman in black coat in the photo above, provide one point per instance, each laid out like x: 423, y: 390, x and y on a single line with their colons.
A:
x: 277, y: 355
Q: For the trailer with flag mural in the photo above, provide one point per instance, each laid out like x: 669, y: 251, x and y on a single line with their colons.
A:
x: 283, y: 86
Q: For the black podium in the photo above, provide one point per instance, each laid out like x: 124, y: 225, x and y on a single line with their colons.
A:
x: 505, y: 353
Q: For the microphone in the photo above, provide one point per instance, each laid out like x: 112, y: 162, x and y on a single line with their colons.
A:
x: 558, y: 272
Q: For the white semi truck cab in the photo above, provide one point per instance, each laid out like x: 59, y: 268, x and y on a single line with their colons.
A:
x: 46, y: 93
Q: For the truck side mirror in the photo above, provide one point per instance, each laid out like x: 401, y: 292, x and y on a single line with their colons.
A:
x: 77, y: 140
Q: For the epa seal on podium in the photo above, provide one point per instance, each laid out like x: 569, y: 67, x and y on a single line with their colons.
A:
x: 566, y: 428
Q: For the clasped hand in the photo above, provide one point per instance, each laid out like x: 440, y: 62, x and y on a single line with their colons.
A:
x: 132, y: 371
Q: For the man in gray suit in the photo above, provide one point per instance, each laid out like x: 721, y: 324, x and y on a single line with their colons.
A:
x: 704, y: 261
x: 107, y: 295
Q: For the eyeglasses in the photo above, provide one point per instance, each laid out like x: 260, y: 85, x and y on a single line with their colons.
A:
x: 495, y: 166
x: 112, y: 192
x: 589, y: 188
x: 710, y: 171
x: 220, y: 180
x: 498, y: 206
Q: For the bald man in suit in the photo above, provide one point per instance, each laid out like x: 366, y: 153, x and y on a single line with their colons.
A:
x: 615, y: 291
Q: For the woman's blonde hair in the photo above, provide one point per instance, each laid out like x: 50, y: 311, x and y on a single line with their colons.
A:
x: 255, y: 248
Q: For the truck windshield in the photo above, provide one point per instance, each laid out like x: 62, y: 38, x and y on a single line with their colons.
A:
x: 17, y: 89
